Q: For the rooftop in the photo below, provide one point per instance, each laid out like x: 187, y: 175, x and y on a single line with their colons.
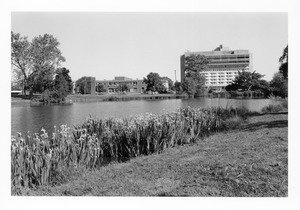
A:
x: 219, y: 51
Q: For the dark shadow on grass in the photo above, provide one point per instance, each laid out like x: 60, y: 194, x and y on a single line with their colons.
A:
x: 266, y: 124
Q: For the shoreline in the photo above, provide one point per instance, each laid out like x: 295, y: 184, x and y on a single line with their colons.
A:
x: 126, y: 97
x: 117, y: 97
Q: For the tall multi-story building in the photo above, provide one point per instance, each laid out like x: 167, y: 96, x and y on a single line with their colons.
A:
x: 135, y: 86
x: 223, y: 66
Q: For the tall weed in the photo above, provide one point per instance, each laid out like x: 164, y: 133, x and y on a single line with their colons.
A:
x: 42, y: 160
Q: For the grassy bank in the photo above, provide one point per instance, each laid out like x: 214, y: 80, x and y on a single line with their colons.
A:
x: 39, y: 160
x: 122, y: 97
x: 250, y: 161
x: 276, y: 105
x: 21, y: 101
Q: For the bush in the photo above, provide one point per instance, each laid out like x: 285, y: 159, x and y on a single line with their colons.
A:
x: 284, y: 103
x: 52, y: 97
x: 279, y: 86
x: 232, y: 123
x: 277, y: 105
x: 272, y: 108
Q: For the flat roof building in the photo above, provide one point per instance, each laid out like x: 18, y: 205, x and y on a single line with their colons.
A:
x: 223, y: 66
x: 111, y: 86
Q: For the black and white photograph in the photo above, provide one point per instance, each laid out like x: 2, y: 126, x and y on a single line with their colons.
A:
x: 148, y: 104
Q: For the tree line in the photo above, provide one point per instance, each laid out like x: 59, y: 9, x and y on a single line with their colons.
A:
x: 253, y: 81
x: 194, y: 82
x: 36, y: 67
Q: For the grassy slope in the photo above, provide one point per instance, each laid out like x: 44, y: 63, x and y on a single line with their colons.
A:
x: 249, y: 162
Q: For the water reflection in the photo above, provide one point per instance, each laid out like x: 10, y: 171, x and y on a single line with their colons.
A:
x: 34, y: 118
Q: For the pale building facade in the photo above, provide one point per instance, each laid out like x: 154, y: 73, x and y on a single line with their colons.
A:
x: 111, y: 86
x: 223, y: 66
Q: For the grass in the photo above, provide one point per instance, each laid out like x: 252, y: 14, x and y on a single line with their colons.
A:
x: 251, y: 161
x: 46, y: 160
x: 277, y: 105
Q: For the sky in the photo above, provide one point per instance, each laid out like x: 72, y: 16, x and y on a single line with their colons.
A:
x: 105, y: 45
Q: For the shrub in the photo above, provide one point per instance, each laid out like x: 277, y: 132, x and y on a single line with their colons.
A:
x: 231, y: 123
x: 272, y: 108
x: 279, y: 85
x: 278, y: 104
x: 284, y: 103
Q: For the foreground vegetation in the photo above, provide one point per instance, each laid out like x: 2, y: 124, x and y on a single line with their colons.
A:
x: 251, y: 161
x: 41, y: 159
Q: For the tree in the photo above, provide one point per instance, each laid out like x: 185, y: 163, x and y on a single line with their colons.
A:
x: 170, y: 82
x: 245, y: 81
x: 39, y: 81
x: 283, y: 69
x: 263, y: 86
x: 154, y: 83
x: 63, y: 84
x: 195, y: 63
x: 279, y: 85
x: 45, y: 57
x: 194, y: 81
x: 193, y: 84
x: 178, y: 87
x: 20, y: 58
x: 100, y: 87
x: 249, y: 81
x: 189, y: 86
x: 17, y: 80
x: 81, y: 85
x: 122, y: 87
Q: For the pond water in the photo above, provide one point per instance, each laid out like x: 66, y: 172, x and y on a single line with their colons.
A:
x: 26, y: 118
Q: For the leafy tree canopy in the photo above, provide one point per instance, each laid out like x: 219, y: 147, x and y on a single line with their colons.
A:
x: 283, y: 69
x: 39, y: 81
x: 122, y: 87
x: 170, y: 82
x: 81, y: 85
x: 154, y: 83
x: 37, y: 60
x: 100, y: 87
x: 279, y: 85
x: 63, y: 82
x: 178, y: 87
x: 45, y: 53
x: 246, y: 81
x: 193, y: 83
x: 20, y: 57
x: 195, y: 63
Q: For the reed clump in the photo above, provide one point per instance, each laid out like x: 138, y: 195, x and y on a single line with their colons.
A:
x: 277, y: 105
x: 42, y: 160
